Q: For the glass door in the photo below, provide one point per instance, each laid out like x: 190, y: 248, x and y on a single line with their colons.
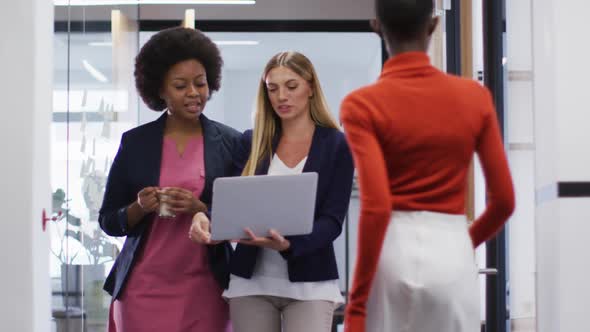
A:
x: 94, y: 102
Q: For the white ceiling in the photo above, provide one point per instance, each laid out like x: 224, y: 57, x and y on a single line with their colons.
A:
x: 262, y: 10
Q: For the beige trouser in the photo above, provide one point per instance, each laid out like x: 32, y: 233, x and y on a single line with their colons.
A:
x: 271, y: 313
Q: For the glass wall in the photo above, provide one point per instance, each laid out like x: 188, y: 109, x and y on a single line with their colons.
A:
x: 340, y: 67
x: 94, y: 102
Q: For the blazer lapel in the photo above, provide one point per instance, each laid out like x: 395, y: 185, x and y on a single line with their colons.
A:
x: 265, y: 163
x: 152, y: 150
x: 316, y: 150
x: 214, y: 156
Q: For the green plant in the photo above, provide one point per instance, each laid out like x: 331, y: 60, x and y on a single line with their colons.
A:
x: 93, y: 243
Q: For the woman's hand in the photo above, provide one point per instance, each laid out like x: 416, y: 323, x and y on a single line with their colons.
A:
x: 200, y: 231
x: 147, y: 199
x: 276, y: 241
x: 146, y: 203
x: 182, y: 201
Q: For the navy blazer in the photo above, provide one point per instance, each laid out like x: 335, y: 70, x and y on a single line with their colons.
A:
x: 136, y: 166
x: 311, y: 257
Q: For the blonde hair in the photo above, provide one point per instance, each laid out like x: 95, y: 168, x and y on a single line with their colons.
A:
x: 267, y: 122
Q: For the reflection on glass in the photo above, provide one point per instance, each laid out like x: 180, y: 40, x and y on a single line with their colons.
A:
x: 94, y: 102
x: 341, y: 69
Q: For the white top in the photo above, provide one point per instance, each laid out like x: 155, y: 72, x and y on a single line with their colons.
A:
x: 271, y: 276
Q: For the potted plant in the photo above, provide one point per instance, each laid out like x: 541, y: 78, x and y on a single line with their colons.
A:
x: 83, y: 251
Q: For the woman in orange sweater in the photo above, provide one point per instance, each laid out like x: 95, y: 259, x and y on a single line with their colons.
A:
x: 413, y: 134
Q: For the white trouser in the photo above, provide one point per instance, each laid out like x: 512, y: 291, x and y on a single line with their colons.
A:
x: 426, y: 279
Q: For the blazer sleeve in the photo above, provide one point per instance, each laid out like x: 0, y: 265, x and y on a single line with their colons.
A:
x: 113, y: 212
x: 240, y: 150
x: 328, y: 223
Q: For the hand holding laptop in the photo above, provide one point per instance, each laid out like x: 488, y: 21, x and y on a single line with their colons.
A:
x: 283, y: 203
x: 275, y: 241
x: 200, y: 232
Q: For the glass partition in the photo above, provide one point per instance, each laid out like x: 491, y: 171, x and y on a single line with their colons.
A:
x: 340, y: 67
x: 94, y: 102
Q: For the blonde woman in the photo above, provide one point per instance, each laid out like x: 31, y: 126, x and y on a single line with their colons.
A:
x: 290, y: 283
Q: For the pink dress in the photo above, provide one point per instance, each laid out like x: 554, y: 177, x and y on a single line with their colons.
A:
x: 171, y: 287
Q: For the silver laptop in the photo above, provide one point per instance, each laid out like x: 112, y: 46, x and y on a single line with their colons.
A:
x: 285, y: 203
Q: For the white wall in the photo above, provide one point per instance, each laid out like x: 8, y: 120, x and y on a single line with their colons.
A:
x: 24, y: 173
x: 548, y: 268
x: 546, y: 118
x: 544, y: 103
x: 574, y: 266
x: 571, y: 87
x: 520, y: 139
x: 560, y: 66
x: 262, y: 10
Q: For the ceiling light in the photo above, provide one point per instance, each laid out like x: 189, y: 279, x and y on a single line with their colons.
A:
x: 101, y: 44
x: 150, y: 2
x: 94, y: 72
x: 236, y: 42
x: 218, y: 42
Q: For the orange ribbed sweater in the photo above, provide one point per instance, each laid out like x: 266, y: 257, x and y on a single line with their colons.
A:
x: 412, y: 135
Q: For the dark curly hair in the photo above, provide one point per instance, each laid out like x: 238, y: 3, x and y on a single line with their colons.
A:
x: 404, y: 19
x: 167, y: 48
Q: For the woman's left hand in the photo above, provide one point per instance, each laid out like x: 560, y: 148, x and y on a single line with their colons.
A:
x: 275, y: 241
x: 200, y: 231
x: 183, y: 201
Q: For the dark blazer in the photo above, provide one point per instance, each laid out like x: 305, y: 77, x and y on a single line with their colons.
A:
x: 310, y: 257
x: 136, y: 166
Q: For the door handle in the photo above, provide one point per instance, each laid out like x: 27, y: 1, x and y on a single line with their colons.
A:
x: 489, y: 271
x: 45, y: 219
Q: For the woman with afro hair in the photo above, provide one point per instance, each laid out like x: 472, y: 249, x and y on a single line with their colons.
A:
x: 161, y: 281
